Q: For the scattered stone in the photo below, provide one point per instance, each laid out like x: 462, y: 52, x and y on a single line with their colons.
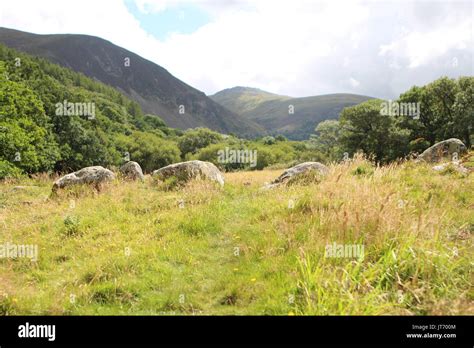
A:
x: 185, y: 171
x: 296, y: 171
x: 132, y: 170
x: 443, y: 150
x: 95, y: 176
x: 456, y: 166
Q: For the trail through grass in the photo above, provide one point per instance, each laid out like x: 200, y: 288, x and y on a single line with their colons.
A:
x: 136, y: 248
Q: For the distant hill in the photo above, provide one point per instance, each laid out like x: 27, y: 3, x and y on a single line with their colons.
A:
x: 154, y: 88
x: 272, y: 111
x: 243, y: 99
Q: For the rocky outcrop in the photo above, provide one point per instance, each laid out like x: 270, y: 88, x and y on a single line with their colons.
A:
x: 185, y: 171
x: 95, y: 176
x: 132, y: 170
x: 443, y: 150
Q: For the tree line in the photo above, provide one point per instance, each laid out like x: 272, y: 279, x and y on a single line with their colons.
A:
x: 35, y: 138
x: 445, y: 110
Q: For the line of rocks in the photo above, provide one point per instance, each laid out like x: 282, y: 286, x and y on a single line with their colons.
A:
x: 97, y: 176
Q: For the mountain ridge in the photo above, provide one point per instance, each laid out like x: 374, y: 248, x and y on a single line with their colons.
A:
x: 296, y: 118
x: 156, y: 90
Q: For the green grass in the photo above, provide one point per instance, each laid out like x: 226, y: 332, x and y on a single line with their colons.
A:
x: 135, y: 249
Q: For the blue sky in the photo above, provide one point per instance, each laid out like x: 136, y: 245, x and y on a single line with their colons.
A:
x: 290, y: 47
x: 184, y: 18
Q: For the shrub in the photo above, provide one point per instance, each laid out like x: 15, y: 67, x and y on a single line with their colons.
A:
x: 8, y: 170
x: 71, y: 225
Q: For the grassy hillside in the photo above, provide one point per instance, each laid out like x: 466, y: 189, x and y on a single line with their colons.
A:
x: 275, y: 117
x: 243, y: 99
x: 272, y: 111
x: 238, y: 250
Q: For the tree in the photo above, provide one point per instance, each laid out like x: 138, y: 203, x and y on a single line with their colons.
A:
x: 446, y: 110
x: 364, y: 128
x: 280, y: 137
x: 134, y: 109
x: 326, y: 139
x: 196, y: 139
x: 463, y: 110
x: 149, y: 150
x: 26, y: 140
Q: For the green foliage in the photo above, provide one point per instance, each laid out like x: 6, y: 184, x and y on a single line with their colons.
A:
x: 269, y: 140
x: 418, y: 145
x: 364, y: 128
x: 8, y: 170
x: 283, y: 153
x: 151, y: 151
x: 446, y: 110
x: 196, y: 139
x: 25, y: 136
x: 71, y: 226
x: 35, y: 138
x: 363, y: 170
x: 326, y: 140
x: 280, y: 137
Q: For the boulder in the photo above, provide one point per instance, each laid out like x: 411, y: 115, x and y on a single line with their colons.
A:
x: 443, y: 150
x: 296, y: 171
x: 132, y: 170
x: 95, y: 176
x: 185, y: 171
x: 454, y: 165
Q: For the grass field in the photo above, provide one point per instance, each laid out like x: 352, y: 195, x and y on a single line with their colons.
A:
x: 135, y: 248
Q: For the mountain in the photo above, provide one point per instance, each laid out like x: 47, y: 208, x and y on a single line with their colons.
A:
x: 274, y: 112
x: 243, y: 99
x: 154, y: 88
x: 53, y: 119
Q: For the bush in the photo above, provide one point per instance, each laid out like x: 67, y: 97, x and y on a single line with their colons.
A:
x: 71, y: 226
x: 418, y: 145
x: 194, y: 140
x: 8, y: 170
x: 149, y: 150
x: 363, y: 170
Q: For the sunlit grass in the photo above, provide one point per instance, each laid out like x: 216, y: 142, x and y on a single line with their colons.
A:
x: 138, y: 248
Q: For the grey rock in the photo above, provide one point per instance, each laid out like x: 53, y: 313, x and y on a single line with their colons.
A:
x: 458, y: 167
x: 296, y: 171
x: 185, y: 171
x: 443, y: 150
x: 132, y: 170
x: 95, y: 176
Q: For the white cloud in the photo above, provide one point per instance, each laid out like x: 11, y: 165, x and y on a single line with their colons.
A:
x: 354, y: 83
x: 421, y: 47
x: 292, y: 47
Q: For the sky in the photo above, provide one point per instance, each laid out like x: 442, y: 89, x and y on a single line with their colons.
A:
x: 291, y: 47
